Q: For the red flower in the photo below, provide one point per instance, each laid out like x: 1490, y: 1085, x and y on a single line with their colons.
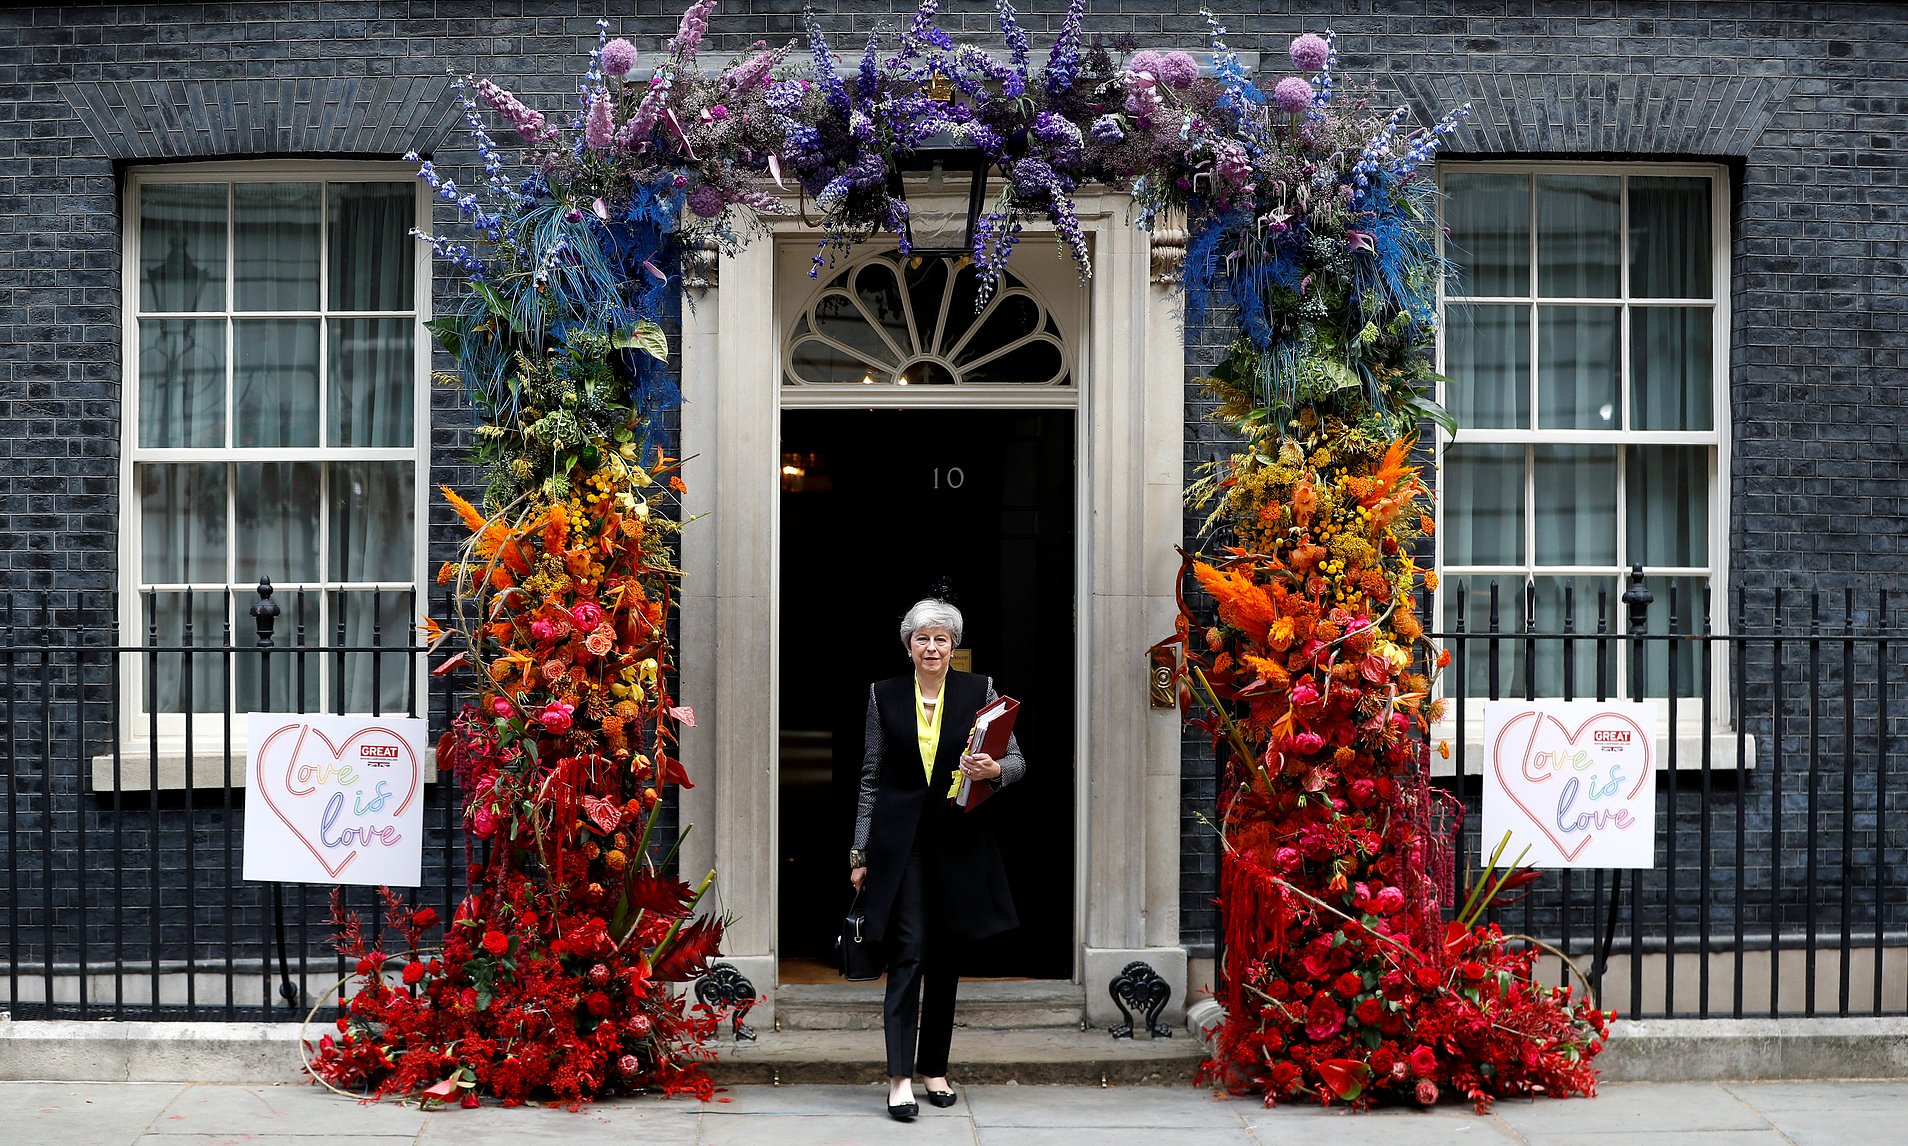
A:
x: 1369, y: 1011
x: 424, y: 917
x: 1423, y: 1061
x: 496, y: 942
x: 413, y: 973
x: 1284, y: 1074
x: 1427, y: 1093
x: 1349, y: 984
x: 1323, y: 1019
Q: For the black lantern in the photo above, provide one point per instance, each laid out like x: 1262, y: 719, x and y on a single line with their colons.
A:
x: 927, y: 179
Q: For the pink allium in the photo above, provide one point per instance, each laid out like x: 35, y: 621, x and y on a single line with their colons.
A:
x: 1292, y: 95
x: 1309, y: 52
x: 708, y: 201
x: 1177, y: 70
x: 1145, y: 60
x: 599, y: 127
x: 619, y: 56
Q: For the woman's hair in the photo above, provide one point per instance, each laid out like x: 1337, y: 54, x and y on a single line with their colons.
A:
x: 931, y: 613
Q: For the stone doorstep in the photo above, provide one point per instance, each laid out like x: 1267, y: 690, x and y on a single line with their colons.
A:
x: 1660, y: 1050
x: 984, y: 1005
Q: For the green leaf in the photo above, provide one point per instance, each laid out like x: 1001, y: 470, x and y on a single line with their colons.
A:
x: 648, y: 337
x: 491, y: 298
x: 447, y: 332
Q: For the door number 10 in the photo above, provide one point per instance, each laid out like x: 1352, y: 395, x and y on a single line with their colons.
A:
x: 953, y: 477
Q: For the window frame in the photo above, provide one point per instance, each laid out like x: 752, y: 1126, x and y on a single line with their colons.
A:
x: 1717, y: 440
x: 208, y: 724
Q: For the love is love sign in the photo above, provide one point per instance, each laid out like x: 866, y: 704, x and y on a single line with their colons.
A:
x: 335, y: 799
x: 1575, y: 780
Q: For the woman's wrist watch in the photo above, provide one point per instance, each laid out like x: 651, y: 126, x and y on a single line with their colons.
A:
x: 857, y: 858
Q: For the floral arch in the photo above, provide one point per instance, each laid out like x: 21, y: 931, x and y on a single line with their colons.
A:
x: 1350, y: 969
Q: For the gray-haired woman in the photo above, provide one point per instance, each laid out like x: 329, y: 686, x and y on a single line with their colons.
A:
x: 930, y: 873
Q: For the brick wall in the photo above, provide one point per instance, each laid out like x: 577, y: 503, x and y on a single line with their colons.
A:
x: 1806, y: 108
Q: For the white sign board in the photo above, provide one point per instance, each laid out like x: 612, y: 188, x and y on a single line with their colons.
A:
x: 1574, y: 780
x: 335, y: 799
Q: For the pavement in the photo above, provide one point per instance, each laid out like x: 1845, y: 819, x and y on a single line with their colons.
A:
x: 1624, y: 1114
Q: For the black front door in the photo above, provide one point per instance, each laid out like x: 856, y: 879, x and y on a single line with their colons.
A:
x: 879, y: 509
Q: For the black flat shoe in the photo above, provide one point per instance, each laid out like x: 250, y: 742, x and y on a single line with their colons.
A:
x: 905, y: 1112
x: 942, y: 1098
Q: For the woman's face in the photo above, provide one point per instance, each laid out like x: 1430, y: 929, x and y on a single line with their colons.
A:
x: 929, y: 648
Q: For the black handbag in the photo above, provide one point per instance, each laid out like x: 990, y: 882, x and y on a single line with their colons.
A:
x: 857, y: 956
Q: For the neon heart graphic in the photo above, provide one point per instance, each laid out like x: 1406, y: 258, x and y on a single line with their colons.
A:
x: 1581, y: 774
x: 343, y: 796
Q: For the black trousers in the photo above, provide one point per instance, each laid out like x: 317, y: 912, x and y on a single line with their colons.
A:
x: 923, y: 975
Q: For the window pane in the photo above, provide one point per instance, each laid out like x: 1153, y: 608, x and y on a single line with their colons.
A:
x: 1667, y: 489
x: 182, y: 523
x: 1487, y: 358
x: 1669, y: 368
x: 1489, y: 241
x: 1684, y: 597
x: 371, y: 515
x: 1577, y: 235
x: 1577, y: 362
x: 927, y: 286
x: 181, y: 382
x: 372, y: 259
x: 837, y: 316
x: 875, y: 285
x: 1490, y: 669
x: 277, y: 533
x: 1571, y: 604
x: 816, y: 362
x: 179, y: 681
x: 1032, y: 363
x: 1575, y: 491
x: 275, y: 381
x: 182, y: 247
x: 1669, y: 237
x: 1484, y: 504
x: 372, y: 369
x: 275, y: 246
x: 369, y: 681
x: 295, y: 673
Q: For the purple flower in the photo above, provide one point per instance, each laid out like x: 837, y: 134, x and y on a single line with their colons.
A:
x: 1145, y: 60
x: 1309, y: 52
x: 751, y: 73
x: 619, y: 56
x: 1107, y: 129
x: 1177, y: 70
x: 599, y: 126
x: 1292, y: 95
x: 707, y: 201
x: 695, y: 25
x: 530, y: 124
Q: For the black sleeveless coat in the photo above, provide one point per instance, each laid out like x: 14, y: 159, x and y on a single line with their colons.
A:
x: 966, y: 882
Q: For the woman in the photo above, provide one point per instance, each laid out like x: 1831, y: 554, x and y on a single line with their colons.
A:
x: 929, y: 872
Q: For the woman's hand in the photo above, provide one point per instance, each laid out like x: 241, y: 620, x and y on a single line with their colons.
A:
x: 980, y: 766
x: 856, y: 875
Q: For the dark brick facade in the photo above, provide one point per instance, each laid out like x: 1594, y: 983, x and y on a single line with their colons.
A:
x: 1805, y: 104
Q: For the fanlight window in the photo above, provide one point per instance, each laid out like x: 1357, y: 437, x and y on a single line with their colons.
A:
x: 910, y: 321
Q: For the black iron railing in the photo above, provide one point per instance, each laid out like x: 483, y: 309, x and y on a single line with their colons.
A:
x: 1781, y: 877
x: 120, y: 776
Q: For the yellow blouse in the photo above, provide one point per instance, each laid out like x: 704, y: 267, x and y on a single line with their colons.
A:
x: 927, y: 728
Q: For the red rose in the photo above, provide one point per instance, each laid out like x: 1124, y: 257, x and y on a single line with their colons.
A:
x: 496, y: 942
x: 1388, y: 901
x: 413, y: 973
x: 1425, y: 976
x: 1323, y: 1019
x: 424, y: 917
x: 1423, y: 1061
x: 597, y: 1003
x: 1369, y: 1011
x: 1349, y: 984
x: 1284, y: 1074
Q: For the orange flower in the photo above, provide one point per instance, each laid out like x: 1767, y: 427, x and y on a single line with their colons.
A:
x: 1243, y: 604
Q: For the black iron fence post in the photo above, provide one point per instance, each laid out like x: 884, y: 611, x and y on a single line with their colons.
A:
x: 265, y: 617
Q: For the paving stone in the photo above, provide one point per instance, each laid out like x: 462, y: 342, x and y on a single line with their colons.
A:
x: 83, y: 1114
x: 1058, y: 1106
x: 1631, y: 1108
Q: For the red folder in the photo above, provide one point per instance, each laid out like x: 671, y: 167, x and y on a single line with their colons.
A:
x: 993, y: 726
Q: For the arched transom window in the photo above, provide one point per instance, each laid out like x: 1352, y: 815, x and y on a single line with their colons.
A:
x: 910, y: 321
